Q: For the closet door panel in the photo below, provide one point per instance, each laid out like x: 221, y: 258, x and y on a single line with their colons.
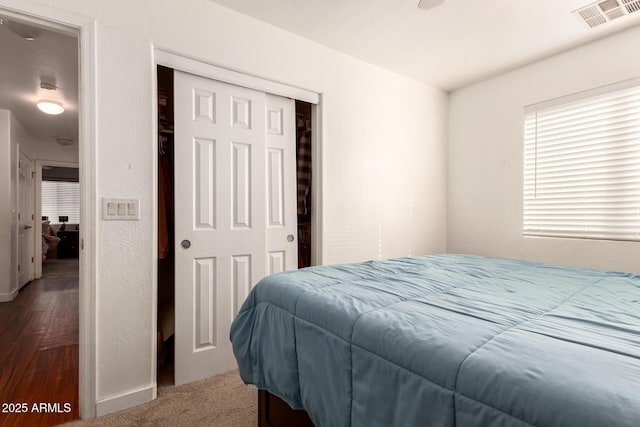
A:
x: 220, y: 217
x: 281, y: 196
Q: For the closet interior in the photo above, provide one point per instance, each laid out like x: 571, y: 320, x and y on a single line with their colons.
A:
x: 166, y: 255
x: 303, y: 171
x: 166, y: 243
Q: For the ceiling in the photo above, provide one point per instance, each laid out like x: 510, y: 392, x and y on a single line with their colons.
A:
x: 52, y: 58
x: 449, y: 46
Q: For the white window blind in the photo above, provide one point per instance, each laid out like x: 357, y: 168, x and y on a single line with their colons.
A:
x: 60, y: 198
x: 582, y: 165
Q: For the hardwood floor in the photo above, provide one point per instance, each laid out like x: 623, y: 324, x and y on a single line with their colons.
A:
x: 39, y: 349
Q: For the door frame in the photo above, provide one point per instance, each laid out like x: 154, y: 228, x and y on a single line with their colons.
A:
x: 203, y: 69
x: 85, y: 29
x: 38, y: 207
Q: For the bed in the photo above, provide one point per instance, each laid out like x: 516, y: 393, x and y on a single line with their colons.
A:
x: 446, y: 340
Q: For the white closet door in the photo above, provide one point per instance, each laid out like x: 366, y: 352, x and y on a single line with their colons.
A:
x: 222, y: 212
x: 282, y: 222
x: 26, y: 221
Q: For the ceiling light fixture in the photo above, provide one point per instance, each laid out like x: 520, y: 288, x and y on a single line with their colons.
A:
x: 26, y: 31
x: 428, y: 4
x: 48, y: 86
x: 64, y: 141
x: 50, y: 107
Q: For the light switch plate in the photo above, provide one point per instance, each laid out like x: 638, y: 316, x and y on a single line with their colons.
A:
x: 120, y: 209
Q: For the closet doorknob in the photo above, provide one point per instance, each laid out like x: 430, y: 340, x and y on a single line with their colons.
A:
x: 185, y: 244
x: 290, y: 238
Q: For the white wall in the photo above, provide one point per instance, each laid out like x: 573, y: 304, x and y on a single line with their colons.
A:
x: 384, y: 156
x: 50, y: 150
x: 486, y: 149
x: 7, y: 273
x: 20, y: 137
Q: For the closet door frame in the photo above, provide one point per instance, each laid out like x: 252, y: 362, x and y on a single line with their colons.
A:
x: 202, y: 69
x: 224, y: 75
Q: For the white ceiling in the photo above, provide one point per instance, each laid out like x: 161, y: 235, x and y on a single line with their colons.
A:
x: 449, y: 46
x: 52, y: 57
x: 452, y: 45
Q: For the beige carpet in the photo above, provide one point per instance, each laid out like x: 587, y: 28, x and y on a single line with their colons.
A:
x: 221, y: 401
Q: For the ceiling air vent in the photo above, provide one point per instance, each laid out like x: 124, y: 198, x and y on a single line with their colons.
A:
x: 602, y: 12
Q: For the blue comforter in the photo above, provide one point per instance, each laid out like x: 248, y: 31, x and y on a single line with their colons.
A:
x: 446, y: 340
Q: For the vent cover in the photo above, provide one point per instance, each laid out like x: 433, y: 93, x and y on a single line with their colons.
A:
x: 602, y: 12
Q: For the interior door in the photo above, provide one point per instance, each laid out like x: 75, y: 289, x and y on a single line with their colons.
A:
x: 282, y: 223
x: 26, y: 203
x: 221, y: 217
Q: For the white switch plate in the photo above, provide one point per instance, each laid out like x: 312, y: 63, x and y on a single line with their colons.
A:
x: 120, y: 209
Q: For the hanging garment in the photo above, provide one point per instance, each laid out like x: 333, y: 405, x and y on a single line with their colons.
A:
x: 164, y: 205
x: 303, y: 168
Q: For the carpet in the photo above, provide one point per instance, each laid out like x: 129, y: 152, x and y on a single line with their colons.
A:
x: 220, y: 401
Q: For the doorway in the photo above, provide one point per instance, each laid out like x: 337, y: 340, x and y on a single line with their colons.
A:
x: 58, y: 203
x: 41, y: 334
x: 248, y: 111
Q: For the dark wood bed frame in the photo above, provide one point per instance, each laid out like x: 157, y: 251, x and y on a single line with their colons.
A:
x: 274, y: 412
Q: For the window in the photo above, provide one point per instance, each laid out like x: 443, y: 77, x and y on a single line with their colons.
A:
x: 582, y: 165
x: 61, y: 198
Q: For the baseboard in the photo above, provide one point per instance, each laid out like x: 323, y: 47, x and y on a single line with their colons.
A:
x: 4, y: 297
x: 125, y: 401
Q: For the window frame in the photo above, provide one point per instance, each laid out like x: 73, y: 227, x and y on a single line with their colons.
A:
x: 590, y: 232
x: 74, y: 215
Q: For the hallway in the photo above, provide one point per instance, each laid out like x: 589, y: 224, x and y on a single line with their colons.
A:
x: 39, y: 342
